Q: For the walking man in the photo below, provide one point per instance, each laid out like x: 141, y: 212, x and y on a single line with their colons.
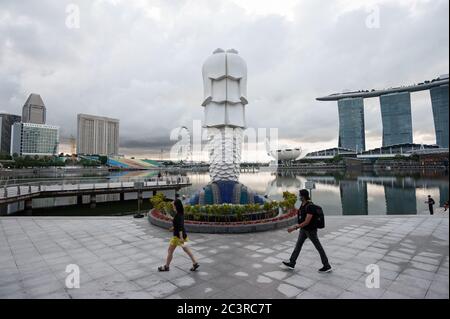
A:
x: 430, y: 203
x: 307, y: 217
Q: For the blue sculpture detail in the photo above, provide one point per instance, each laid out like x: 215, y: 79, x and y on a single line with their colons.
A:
x: 225, y: 192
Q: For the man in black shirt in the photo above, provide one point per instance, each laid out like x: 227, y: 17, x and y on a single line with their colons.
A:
x: 308, y: 229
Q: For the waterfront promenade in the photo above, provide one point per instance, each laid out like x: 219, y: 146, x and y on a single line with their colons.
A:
x: 118, y: 257
x: 28, y: 191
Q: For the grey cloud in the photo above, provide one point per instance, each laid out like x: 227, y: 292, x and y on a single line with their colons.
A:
x: 126, y: 64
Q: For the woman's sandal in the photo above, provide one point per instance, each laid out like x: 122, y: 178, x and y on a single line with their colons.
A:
x: 163, y: 268
x: 195, y: 267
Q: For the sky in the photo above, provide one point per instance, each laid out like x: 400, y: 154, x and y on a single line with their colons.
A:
x: 140, y: 61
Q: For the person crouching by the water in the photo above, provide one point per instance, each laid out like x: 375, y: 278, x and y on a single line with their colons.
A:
x: 430, y: 201
x: 179, y: 238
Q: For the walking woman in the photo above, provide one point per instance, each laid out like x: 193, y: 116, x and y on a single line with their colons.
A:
x: 179, y: 237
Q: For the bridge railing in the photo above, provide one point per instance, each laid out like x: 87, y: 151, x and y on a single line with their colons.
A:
x: 30, y: 188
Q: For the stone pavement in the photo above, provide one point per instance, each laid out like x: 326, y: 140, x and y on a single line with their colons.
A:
x: 118, y: 257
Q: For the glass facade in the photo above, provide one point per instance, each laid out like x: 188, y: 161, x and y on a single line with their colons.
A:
x: 351, y: 124
x: 439, y: 101
x: 397, y: 119
x: 35, y: 139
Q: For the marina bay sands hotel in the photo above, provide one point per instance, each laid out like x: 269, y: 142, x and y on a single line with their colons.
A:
x: 395, y: 112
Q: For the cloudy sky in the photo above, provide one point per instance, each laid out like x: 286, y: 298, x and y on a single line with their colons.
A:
x: 140, y: 61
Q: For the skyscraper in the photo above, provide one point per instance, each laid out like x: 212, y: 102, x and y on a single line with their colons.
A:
x: 351, y: 124
x: 6, y: 122
x: 397, y: 119
x: 439, y: 101
x: 97, y: 135
x: 34, y: 110
x: 34, y: 139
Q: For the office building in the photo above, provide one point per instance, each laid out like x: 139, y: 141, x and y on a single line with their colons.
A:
x: 97, y: 135
x: 396, y: 112
x: 34, y: 139
x: 34, y: 110
x: 396, y: 118
x: 351, y: 124
x: 6, y: 122
x: 439, y: 102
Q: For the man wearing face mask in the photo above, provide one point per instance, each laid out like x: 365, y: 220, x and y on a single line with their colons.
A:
x: 308, y: 218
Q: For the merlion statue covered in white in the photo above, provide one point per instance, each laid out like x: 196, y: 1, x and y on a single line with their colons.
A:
x: 225, y: 89
x: 225, y: 97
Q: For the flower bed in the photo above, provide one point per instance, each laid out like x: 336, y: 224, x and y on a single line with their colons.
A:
x: 282, y: 221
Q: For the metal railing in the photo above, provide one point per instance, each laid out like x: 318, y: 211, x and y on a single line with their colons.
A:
x: 30, y: 188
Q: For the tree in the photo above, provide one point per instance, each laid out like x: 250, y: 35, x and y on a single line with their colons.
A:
x: 5, y: 156
x: 103, y: 159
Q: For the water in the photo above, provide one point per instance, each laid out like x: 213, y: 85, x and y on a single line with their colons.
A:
x: 338, y: 193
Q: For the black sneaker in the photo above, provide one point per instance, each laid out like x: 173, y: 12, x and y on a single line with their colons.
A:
x: 325, y: 269
x: 289, y: 265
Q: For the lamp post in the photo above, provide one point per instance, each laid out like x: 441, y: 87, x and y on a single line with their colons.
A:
x: 309, y: 185
x: 139, y: 186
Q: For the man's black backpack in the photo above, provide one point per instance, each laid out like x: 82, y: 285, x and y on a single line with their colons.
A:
x: 319, y: 218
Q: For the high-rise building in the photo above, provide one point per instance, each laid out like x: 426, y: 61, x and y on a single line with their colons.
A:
x: 396, y: 118
x: 97, y: 135
x: 351, y: 124
x: 34, y: 110
x: 6, y: 122
x: 34, y: 139
x: 439, y: 101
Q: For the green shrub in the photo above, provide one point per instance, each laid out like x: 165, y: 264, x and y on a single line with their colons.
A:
x: 289, y: 200
x: 159, y: 202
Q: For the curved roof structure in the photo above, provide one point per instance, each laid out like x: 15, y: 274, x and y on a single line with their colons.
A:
x: 443, y: 80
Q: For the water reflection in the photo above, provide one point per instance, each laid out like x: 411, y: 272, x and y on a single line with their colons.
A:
x: 400, y: 200
x: 354, y: 197
x: 338, y: 194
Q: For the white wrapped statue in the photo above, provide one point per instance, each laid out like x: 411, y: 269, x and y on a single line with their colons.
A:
x: 225, y: 97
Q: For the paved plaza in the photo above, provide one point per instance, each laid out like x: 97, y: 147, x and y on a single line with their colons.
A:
x: 118, y: 257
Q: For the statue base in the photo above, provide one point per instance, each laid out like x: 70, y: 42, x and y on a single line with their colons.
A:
x: 225, y: 192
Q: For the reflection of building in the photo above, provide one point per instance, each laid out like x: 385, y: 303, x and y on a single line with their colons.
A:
x: 97, y: 135
x: 6, y: 122
x: 34, y: 139
x: 283, y: 182
x: 397, y: 119
x: 443, y: 194
x: 351, y: 124
x: 34, y: 110
x: 439, y: 100
x: 354, y: 197
x: 400, y: 201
